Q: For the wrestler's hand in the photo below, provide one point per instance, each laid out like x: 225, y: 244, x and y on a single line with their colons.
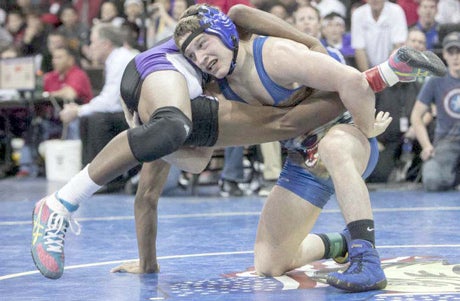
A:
x: 133, y: 268
x: 382, y: 121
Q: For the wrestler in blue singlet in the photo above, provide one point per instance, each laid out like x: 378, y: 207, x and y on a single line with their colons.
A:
x: 295, y: 177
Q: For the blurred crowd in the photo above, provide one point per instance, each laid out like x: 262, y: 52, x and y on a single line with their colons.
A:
x: 362, y: 34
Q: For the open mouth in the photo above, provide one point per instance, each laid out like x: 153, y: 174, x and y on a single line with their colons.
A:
x: 211, y: 64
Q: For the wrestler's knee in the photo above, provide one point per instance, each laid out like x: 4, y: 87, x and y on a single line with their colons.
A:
x: 268, y: 262
x: 334, y: 147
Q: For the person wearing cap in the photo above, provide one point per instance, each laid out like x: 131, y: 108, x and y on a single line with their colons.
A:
x: 441, y: 156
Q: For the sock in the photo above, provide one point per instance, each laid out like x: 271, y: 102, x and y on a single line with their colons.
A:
x: 362, y: 229
x: 335, y: 245
x: 381, y: 76
x: 79, y: 188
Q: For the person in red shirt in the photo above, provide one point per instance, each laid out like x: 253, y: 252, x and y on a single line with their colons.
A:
x: 66, y: 81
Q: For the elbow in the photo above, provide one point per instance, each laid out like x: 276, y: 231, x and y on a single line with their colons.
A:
x: 238, y: 10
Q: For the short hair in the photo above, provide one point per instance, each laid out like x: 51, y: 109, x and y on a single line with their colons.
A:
x: 70, y: 51
x: 317, y: 12
x: 109, y: 32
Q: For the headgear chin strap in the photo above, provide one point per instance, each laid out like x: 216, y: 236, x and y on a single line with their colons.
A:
x: 213, y: 21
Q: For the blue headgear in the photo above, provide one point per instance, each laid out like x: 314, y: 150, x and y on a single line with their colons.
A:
x: 213, y: 21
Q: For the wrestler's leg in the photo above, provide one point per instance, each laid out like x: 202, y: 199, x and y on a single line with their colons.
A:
x: 283, y: 241
x: 345, y: 152
x: 159, y: 90
x: 52, y: 214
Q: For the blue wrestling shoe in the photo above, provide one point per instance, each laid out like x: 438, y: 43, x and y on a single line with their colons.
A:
x: 364, y: 273
x: 408, y: 64
x: 49, y: 229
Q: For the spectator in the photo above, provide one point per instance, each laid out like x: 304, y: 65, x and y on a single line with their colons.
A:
x: 102, y: 118
x: 75, y: 31
x: 54, y: 40
x: 67, y: 81
x: 35, y: 34
x: 426, y: 11
x: 279, y: 10
x: 161, y: 23
x: 410, y: 10
x: 307, y: 20
x: 398, y: 100
x: 16, y: 27
x: 448, y: 11
x: 232, y: 173
x: 377, y: 28
x: 326, y: 7
x: 334, y: 35
x: 5, y: 38
x: 271, y: 153
x: 87, y: 10
x: 442, y: 155
x: 110, y: 14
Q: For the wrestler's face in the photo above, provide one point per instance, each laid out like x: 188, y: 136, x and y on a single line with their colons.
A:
x: 209, y: 54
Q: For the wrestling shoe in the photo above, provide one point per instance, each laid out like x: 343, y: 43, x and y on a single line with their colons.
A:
x: 49, y: 229
x: 364, y: 272
x: 345, y: 258
x: 406, y: 64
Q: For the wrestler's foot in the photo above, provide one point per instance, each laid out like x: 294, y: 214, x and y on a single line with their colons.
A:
x: 364, y: 272
x: 406, y: 64
x: 49, y: 229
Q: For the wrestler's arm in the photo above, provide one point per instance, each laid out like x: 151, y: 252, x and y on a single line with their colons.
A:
x: 288, y: 62
x: 153, y: 176
x: 256, y: 21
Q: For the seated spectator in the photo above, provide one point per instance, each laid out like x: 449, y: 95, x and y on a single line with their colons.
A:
x: 54, y: 40
x: 35, y: 34
x: 326, y: 7
x: 441, y: 156
x: 161, y: 23
x: 334, y: 35
x: 75, y: 31
x: 426, y: 11
x: 396, y: 147
x: 279, y: 10
x: 68, y: 82
x: 16, y: 26
x: 110, y: 15
x: 307, y: 20
x: 5, y: 39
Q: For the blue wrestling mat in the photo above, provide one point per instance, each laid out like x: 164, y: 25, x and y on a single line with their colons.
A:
x: 205, y: 249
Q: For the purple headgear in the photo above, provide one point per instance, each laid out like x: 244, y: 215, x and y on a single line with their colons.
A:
x: 213, y: 21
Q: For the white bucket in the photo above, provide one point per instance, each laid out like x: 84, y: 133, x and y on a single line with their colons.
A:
x: 62, y: 159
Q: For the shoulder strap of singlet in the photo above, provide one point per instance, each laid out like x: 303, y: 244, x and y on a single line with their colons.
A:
x: 277, y: 92
x: 227, y: 91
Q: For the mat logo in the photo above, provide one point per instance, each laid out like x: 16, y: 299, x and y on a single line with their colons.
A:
x: 406, y: 275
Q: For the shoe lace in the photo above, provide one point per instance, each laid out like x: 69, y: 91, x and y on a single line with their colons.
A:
x: 356, y: 265
x: 56, y: 230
